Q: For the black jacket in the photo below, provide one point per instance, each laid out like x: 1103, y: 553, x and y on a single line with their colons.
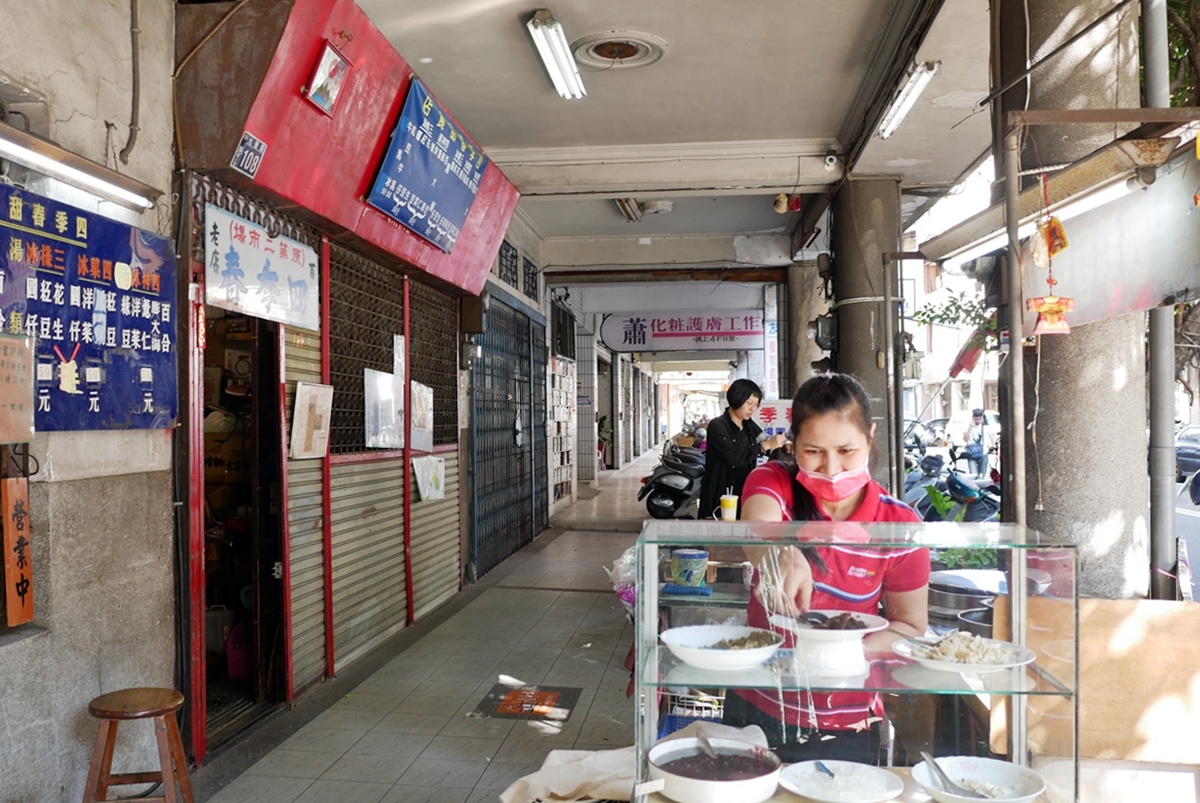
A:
x: 731, y: 454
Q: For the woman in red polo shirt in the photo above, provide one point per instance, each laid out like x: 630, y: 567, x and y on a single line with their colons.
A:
x: 829, y: 481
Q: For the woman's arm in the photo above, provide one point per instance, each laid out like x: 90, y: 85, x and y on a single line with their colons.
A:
x: 784, y: 576
x: 908, y: 615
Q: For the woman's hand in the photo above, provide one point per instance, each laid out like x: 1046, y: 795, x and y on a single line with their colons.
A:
x: 774, y: 442
x: 785, y: 581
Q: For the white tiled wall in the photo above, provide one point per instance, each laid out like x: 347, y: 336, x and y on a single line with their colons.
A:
x: 561, y: 430
x: 587, y: 435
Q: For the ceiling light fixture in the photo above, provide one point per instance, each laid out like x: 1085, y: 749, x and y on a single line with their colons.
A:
x: 630, y: 208
x: 52, y: 160
x: 906, y: 98
x: 555, y: 51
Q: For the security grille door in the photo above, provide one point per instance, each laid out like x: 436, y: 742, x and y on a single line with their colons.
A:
x: 508, y: 439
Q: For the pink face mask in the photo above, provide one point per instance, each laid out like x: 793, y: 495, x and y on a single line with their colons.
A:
x: 836, y: 488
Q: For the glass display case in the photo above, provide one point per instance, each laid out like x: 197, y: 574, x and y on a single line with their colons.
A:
x: 1026, y: 714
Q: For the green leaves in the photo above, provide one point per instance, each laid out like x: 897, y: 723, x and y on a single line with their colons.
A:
x: 958, y: 310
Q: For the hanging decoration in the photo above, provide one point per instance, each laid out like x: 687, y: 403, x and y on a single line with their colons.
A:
x: 1050, y: 239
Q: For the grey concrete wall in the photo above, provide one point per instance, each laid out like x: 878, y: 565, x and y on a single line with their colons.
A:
x: 866, y: 217
x: 805, y: 303
x: 103, y: 527
x: 106, y: 619
x: 1092, y: 414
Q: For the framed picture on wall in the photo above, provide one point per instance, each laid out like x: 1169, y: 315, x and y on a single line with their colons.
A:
x: 328, y: 78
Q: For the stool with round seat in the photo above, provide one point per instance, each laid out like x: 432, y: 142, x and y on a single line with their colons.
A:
x: 141, y: 703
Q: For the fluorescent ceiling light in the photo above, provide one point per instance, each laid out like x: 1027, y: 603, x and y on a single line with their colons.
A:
x: 49, y: 159
x: 630, y: 208
x: 556, y: 54
x: 918, y: 79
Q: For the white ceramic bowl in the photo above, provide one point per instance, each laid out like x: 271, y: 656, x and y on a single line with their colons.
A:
x: 1021, y: 784
x: 830, y: 652
x: 694, y: 790
x: 694, y: 646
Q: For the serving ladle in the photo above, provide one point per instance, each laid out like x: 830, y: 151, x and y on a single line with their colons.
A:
x: 947, y: 784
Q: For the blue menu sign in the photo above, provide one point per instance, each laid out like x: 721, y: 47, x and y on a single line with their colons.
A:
x: 431, y: 171
x: 98, y: 299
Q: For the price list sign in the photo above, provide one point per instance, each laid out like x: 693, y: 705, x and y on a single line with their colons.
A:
x: 97, y: 300
x: 431, y: 172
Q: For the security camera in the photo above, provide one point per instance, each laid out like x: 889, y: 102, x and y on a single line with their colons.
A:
x: 831, y: 160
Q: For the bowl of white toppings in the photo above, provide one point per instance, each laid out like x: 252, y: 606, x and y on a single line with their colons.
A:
x: 995, y: 780
x: 965, y: 652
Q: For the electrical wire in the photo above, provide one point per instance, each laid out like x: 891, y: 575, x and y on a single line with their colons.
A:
x: 1032, y: 426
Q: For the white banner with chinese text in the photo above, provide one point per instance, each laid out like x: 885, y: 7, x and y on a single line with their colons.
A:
x: 250, y: 272
x: 726, y: 330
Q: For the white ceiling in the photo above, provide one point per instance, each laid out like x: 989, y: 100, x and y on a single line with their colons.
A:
x: 745, y: 104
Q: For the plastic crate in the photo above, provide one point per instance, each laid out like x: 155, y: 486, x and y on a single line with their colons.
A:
x: 682, y: 709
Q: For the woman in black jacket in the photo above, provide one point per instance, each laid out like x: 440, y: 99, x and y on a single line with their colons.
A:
x: 734, y: 445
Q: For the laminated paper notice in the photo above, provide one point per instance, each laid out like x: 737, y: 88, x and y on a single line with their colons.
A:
x: 431, y: 477
x: 18, y: 553
x: 310, y: 420
x: 16, y: 389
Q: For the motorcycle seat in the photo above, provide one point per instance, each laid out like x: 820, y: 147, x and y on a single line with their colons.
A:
x: 686, y: 469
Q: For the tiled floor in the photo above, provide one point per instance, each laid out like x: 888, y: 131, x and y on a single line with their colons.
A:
x: 405, y: 734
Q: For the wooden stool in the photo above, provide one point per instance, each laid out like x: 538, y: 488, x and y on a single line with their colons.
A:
x: 111, y: 708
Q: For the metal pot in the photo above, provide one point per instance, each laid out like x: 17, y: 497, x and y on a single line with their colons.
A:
x: 977, y: 621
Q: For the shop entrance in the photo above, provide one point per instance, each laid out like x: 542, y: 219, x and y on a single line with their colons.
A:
x: 508, y: 437
x: 243, y: 624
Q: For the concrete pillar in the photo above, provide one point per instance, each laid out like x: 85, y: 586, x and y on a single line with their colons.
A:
x: 1092, y: 380
x: 805, y: 303
x: 866, y: 225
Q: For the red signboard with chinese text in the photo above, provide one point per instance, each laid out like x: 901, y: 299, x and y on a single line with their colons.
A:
x: 774, y: 416
x: 342, y: 151
x: 18, y: 553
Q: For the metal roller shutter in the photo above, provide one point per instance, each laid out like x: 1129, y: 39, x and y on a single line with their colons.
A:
x: 435, y: 539
x: 369, y: 596
x: 302, y: 355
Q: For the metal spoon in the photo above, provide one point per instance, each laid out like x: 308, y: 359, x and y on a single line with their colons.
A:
x: 947, y: 784
x: 706, y: 745
x: 813, y: 618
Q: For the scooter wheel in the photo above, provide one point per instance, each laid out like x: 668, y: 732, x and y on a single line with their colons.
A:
x: 661, y: 506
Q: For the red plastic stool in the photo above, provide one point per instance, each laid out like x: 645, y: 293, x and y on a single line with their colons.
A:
x: 111, y: 708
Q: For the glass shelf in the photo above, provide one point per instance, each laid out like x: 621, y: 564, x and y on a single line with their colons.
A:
x: 1037, y: 608
x: 894, y: 675
x: 946, y: 535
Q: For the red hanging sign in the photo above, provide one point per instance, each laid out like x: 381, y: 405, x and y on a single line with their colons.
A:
x: 18, y: 552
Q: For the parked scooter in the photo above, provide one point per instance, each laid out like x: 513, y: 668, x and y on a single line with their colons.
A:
x: 961, y: 499
x: 674, y: 487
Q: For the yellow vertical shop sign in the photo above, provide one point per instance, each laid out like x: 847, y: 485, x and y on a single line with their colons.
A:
x: 18, y: 552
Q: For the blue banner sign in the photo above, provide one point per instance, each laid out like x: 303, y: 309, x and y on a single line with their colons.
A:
x: 431, y: 171
x: 98, y: 299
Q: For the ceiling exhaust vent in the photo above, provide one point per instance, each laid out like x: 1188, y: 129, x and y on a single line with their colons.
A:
x: 618, y: 50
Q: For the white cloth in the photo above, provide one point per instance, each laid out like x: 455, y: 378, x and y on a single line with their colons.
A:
x: 568, y: 775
